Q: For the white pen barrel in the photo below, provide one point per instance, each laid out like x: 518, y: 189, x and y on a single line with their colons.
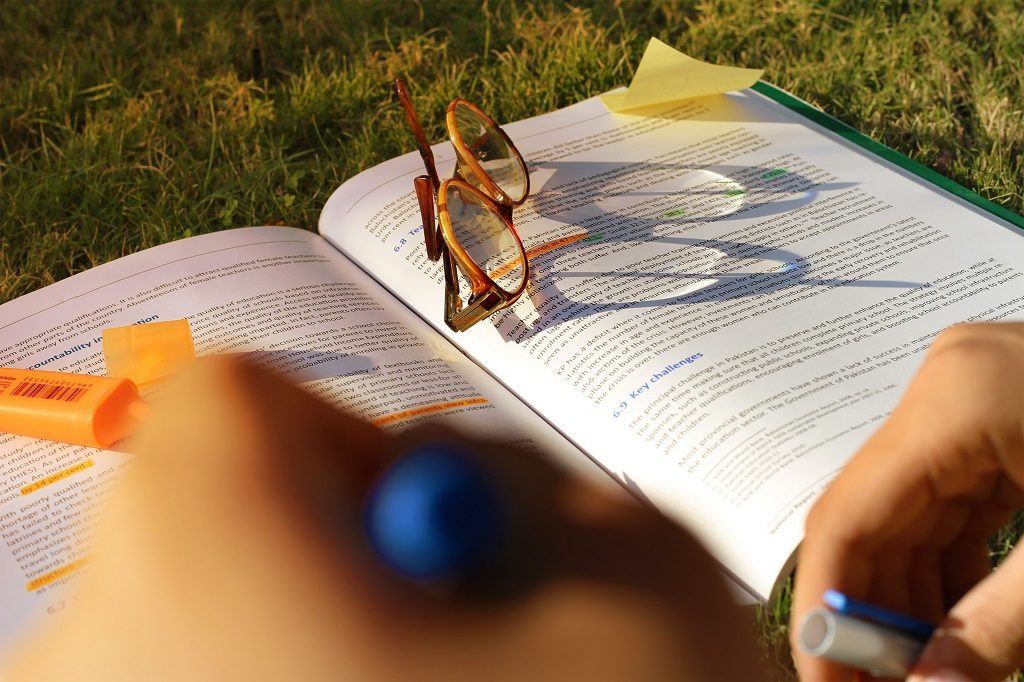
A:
x: 879, y: 650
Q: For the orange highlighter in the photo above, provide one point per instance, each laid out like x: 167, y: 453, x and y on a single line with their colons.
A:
x: 89, y: 410
x: 74, y: 408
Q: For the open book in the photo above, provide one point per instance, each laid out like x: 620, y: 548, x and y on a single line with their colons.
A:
x: 727, y: 297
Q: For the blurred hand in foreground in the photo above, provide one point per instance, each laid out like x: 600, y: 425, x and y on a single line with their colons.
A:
x: 233, y: 550
x: 905, y: 524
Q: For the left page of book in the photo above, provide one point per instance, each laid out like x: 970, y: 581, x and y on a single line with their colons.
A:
x: 282, y: 297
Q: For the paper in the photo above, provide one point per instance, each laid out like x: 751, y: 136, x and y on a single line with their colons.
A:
x: 666, y: 75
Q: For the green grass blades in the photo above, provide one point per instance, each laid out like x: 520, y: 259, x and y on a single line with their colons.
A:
x: 127, y: 124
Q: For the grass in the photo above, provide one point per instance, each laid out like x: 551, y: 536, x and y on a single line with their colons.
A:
x: 128, y: 124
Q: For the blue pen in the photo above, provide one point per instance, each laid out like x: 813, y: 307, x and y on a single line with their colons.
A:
x: 435, y: 515
x: 862, y: 635
x: 847, y: 606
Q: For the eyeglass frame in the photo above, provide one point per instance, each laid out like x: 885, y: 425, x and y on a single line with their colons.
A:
x: 487, y: 296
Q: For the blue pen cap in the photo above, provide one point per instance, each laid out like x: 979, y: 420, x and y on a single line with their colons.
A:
x: 434, y: 514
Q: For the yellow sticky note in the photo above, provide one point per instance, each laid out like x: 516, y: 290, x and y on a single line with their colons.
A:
x: 665, y: 75
x: 147, y: 352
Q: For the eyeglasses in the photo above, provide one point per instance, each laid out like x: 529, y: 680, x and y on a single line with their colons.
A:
x: 473, y: 235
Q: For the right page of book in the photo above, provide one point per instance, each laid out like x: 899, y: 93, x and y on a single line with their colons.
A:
x: 725, y: 299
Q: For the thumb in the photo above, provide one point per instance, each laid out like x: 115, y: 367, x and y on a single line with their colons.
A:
x: 982, y: 637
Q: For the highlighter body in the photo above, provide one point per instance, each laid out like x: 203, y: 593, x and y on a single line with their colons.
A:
x: 82, y: 409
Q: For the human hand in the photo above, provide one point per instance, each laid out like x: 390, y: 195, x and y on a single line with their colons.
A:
x: 234, y: 550
x: 905, y: 524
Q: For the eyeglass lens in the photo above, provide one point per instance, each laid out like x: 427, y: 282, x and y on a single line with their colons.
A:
x: 492, y: 152
x: 486, y: 239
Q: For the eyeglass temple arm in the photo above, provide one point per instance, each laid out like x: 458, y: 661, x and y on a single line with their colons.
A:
x: 431, y: 230
x: 417, y: 131
x: 452, y: 301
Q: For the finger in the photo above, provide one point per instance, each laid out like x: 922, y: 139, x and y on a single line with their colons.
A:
x: 966, y: 559
x: 926, y: 586
x: 627, y: 579
x: 244, y: 488
x: 558, y: 524
x: 982, y: 637
x: 236, y: 461
x: 629, y: 549
x: 565, y: 527
x: 826, y: 564
x: 596, y: 553
x: 946, y: 547
x: 227, y: 423
x: 917, y: 587
x: 847, y: 541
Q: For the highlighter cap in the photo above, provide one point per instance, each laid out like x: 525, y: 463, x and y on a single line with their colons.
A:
x: 148, y: 352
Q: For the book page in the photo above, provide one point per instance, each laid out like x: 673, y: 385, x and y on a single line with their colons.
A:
x: 726, y: 299
x: 281, y: 297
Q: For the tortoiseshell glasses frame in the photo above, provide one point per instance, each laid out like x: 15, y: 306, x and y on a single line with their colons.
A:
x: 473, y: 231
